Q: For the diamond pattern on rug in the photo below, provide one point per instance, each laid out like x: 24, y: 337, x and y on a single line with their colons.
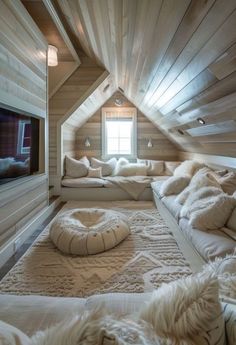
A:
x: 149, y: 257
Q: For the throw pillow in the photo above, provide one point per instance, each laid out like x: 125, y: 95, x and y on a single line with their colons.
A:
x: 174, y: 185
x: 10, y: 335
x: 188, y: 168
x: 231, y: 224
x: 170, y: 167
x: 187, y: 310
x: 85, y: 160
x: 75, y: 168
x: 132, y: 169
x: 95, y: 172
x: 211, y: 213
x: 107, y: 167
x: 200, y: 179
x: 155, y: 168
x: 202, y: 193
x: 228, y: 182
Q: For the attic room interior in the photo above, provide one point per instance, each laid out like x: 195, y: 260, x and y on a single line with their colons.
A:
x: 118, y: 172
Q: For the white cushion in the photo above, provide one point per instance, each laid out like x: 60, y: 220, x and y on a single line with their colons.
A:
x: 85, y: 160
x: 202, y: 193
x: 188, y: 168
x: 88, y: 231
x: 95, y: 172
x: 75, y: 168
x: 232, y: 221
x: 170, y: 167
x: 107, y: 167
x: 211, y: 213
x: 155, y: 168
x: 174, y: 185
x: 131, y: 169
x: 200, y: 179
x: 83, y: 182
x: 228, y: 182
x: 187, y: 309
x: 10, y: 335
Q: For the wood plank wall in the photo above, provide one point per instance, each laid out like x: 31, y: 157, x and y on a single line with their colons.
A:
x: 63, y: 104
x: 162, y: 147
x: 23, y: 85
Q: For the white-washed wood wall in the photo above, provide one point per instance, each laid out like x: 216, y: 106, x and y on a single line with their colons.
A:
x: 175, y: 60
x: 23, y: 85
x: 62, y: 105
x: 162, y: 147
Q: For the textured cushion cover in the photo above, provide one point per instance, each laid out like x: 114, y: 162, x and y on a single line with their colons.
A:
x: 10, y: 335
x: 188, y: 168
x: 174, y: 185
x: 209, y: 244
x: 75, y: 168
x: 83, y: 182
x: 107, y: 167
x: 170, y: 167
x: 187, y: 309
x: 200, y: 179
x: 95, y: 172
x: 232, y: 221
x: 131, y: 169
x: 88, y: 231
x: 211, y: 213
x: 202, y: 193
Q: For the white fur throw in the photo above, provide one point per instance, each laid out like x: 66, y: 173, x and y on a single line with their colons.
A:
x: 174, y: 185
x: 211, y: 213
x: 200, y: 179
x: 75, y: 168
x: 202, y: 193
x: 107, y: 167
x: 184, y: 309
x: 188, y: 168
x: 10, y: 335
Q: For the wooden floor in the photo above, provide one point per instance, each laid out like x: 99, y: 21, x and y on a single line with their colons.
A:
x: 13, y: 260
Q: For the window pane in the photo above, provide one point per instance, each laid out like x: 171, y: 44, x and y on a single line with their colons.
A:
x: 112, y: 146
x: 112, y: 129
x: 125, y: 146
x: 125, y: 128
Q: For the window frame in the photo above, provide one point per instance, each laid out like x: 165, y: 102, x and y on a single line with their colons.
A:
x: 133, y: 113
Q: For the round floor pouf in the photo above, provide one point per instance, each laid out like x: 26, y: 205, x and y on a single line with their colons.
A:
x: 88, y: 231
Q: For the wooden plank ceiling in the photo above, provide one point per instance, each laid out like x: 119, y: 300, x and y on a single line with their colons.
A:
x: 174, y: 59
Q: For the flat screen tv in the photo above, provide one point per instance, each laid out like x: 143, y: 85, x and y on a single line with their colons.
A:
x: 19, y: 145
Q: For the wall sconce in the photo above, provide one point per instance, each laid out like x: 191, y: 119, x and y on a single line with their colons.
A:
x: 201, y: 121
x: 52, y: 56
x: 150, y: 143
x: 87, y: 142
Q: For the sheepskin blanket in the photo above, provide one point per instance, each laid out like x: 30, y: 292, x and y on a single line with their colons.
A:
x: 148, y: 257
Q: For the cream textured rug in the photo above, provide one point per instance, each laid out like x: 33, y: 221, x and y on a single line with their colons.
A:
x: 143, y: 261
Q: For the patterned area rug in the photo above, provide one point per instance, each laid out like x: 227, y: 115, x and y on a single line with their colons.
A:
x: 147, y: 258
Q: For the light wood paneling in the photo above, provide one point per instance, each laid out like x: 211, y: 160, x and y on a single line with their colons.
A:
x: 175, y: 60
x: 162, y: 147
x: 65, y: 102
x: 23, y: 85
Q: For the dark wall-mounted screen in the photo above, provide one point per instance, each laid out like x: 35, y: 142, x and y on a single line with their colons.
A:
x: 19, y: 145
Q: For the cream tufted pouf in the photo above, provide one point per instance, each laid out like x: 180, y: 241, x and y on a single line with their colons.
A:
x: 88, y: 231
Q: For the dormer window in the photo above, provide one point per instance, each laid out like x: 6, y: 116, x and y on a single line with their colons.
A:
x: 119, y: 132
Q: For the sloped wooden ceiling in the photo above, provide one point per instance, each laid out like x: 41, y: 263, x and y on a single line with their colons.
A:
x: 174, y: 59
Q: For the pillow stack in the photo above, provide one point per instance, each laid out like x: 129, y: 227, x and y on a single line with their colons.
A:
x: 124, y: 168
x: 154, y: 168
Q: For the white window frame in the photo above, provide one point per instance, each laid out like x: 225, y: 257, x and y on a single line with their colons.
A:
x: 133, y: 113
